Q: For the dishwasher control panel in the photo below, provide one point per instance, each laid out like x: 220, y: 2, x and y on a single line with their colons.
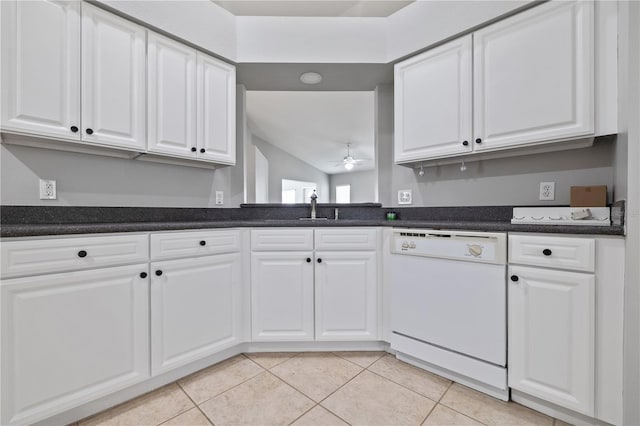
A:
x: 486, y: 247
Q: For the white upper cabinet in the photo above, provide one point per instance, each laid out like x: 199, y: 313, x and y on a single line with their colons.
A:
x: 433, y: 103
x: 216, y: 110
x: 113, y: 80
x: 529, y: 81
x: 41, y: 68
x: 534, y: 76
x: 172, y: 97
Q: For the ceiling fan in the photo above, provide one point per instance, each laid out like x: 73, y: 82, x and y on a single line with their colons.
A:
x: 349, y: 161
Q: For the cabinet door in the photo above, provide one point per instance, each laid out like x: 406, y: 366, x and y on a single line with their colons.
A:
x: 551, y: 336
x: 216, y: 110
x: 433, y: 103
x: 172, y: 97
x: 533, y: 76
x: 281, y: 296
x: 70, y: 338
x: 113, y: 80
x: 41, y: 67
x: 346, y: 296
x: 195, y: 309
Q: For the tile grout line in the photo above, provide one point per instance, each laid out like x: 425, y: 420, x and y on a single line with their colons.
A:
x: 404, y: 387
x: 226, y: 390
x: 194, y: 403
x: 302, y: 415
x: 273, y: 366
x: 376, y: 360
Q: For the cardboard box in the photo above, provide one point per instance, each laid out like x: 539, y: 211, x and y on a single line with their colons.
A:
x: 589, y: 196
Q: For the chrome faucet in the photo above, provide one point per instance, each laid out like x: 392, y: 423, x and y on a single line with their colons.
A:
x: 314, y: 201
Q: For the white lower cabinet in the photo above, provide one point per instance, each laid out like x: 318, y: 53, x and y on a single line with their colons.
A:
x: 70, y: 338
x: 552, y: 336
x: 329, y: 294
x: 196, y: 306
x: 282, y: 296
x: 346, y: 296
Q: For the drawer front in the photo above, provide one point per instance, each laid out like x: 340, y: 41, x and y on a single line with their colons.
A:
x: 282, y: 239
x: 189, y: 244
x: 576, y: 254
x: 346, y: 239
x: 33, y: 257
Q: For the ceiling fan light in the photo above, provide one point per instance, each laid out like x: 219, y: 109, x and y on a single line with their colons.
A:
x: 348, y: 166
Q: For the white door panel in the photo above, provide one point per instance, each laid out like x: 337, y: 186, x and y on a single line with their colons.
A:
x: 41, y: 67
x: 113, y: 80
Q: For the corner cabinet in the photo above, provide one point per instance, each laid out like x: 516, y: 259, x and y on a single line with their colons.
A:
x: 530, y: 81
x: 191, y: 103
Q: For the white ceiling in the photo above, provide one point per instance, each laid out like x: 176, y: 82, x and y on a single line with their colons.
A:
x: 315, y: 126
x: 325, y: 8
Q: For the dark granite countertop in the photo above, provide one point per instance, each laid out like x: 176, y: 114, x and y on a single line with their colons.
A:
x: 24, y: 221
x: 23, y: 230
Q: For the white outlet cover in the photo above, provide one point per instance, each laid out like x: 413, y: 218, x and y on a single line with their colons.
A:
x: 547, y: 191
x: 219, y: 197
x: 404, y: 196
x: 48, y: 189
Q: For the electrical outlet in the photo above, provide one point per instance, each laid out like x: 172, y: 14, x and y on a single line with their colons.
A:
x: 547, y: 191
x: 48, y: 189
x: 404, y: 196
x: 219, y: 197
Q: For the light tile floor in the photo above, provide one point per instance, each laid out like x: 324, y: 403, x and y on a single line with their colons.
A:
x: 321, y: 389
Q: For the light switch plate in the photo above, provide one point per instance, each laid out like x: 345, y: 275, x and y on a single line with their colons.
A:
x: 404, y: 196
x: 219, y: 197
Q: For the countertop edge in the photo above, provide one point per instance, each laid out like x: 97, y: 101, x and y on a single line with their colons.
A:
x: 25, y: 230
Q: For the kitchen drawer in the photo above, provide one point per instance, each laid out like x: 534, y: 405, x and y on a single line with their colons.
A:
x: 173, y: 245
x: 576, y: 254
x: 33, y: 257
x: 346, y: 239
x: 282, y: 239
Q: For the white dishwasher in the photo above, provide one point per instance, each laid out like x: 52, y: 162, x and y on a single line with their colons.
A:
x: 449, y: 305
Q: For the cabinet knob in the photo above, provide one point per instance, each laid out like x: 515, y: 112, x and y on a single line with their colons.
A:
x: 202, y: 150
x: 158, y: 272
x: 478, y: 140
x: 319, y: 260
x: 514, y: 278
x: 203, y: 243
x: 74, y: 129
x: 193, y: 149
x: 465, y: 143
x: 143, y: 275
x: 308, y: 260
x: 89, y: 131
x: 546, y: 252
x: 82, y: 253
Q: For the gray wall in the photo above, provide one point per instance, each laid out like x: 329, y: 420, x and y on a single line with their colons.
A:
x: 362, y: 185
x: 504, y: 181
x: 93, y: 180
x: 283, y: 165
